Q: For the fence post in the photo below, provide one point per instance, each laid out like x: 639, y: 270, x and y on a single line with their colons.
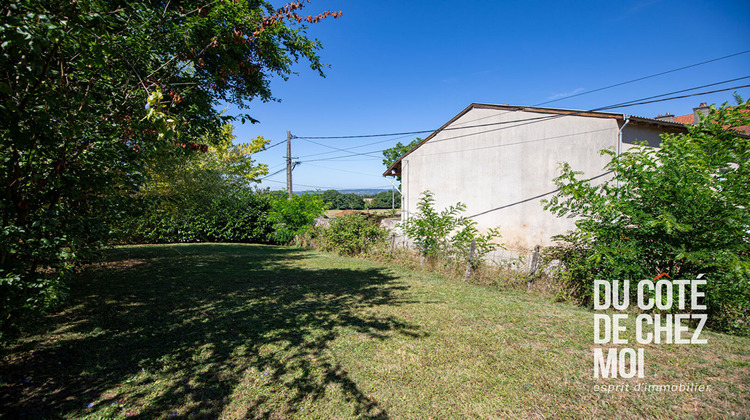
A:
x: 534, y: 268
x: 471, y: 258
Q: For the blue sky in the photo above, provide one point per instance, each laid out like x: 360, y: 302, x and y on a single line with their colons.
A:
x: 402, y: 66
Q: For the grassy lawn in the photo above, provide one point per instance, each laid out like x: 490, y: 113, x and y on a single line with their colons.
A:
x: 250, y: 331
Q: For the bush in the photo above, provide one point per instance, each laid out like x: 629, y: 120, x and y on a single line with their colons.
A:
x: 681, y: 210
x: 352, y: 234
x: 234, y: 216
x: 292, y: 217
x: 447, y: 234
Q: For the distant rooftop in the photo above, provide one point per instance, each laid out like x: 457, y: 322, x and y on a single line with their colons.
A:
x: 694, y: 118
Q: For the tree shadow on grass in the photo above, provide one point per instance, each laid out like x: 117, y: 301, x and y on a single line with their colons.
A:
x: 204, y: 330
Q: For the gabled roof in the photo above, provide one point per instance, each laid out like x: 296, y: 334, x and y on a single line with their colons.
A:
x: 395, y: 168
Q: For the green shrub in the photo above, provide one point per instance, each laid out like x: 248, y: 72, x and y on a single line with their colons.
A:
x: 292, y: 217
x: 447, y: 234
x: 680, y: 210
x: 352, y: 234
x: 235, y: 215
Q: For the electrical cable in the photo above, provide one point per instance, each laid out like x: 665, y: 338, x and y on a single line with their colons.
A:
x: 275, y: 173
x: 368, y: 154
x: 335, y: 148
x: 640, y: 101
x: 620, y: 105
x: 303, y: 185
x: 644, y: 78
x: 674, y: 97
x: 572, y: 113
x: 341, y: 170
x: 274, y: 145
x: 352, y: 148
x: 528, y: 121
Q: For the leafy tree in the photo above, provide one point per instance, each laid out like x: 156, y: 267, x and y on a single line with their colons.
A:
x: 76, y: 139
x: 385, y: 199
x: 329, y: 197
x: 390, y: 156
x: 223, y: 162
x: 681, y: 210
x: 202, y: 197
x: 349, y: 201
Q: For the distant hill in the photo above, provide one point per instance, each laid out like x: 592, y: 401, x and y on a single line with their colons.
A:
x: 363, y: 191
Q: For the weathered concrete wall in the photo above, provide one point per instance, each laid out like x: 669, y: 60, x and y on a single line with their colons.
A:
x: 503, y: 170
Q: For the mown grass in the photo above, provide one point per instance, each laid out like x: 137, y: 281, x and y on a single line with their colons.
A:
x: 249, y: 331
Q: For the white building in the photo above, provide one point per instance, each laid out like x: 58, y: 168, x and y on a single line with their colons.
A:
x: 501, y: 160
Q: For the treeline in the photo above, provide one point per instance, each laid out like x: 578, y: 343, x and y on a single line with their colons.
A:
x: 349, y: 201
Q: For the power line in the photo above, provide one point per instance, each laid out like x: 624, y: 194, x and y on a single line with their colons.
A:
x: 274, y: 167
x: 274, y: 145
x: 527, y: 121
x: 275, y: 173
x: 684, y: 90
x: 572, y: 113
x: 302, y: 185
x: 675, y: 97
x: 351, y: 148
x: 368, y: 154
x: 341, y: 170
x: 630, y: 81
x: 407, y: 133
x: 644, y: 78
x: 335, y: 148
x: 639, y: 101
x: 596, y: 109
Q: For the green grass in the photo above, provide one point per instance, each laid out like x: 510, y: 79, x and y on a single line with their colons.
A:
x: 249, y: 331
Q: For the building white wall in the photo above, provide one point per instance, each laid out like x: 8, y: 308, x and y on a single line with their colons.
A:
x: 510, y: 164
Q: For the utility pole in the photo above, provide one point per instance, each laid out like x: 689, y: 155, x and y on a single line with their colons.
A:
x: 289, y: 163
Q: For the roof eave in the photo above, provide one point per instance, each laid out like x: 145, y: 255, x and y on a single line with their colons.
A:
x: 395, y: 168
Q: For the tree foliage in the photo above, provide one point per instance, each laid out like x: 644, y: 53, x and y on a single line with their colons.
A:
x: 349, y: 201
x: 202, y: 197
x: 391, y: 155
x: 386, y: 199
x: 337, y: 200
x: 681, y: 210
x: 329, y: 197
x: 76, y: 140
